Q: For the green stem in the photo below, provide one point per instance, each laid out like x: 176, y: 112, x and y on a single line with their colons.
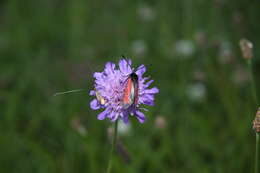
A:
x: 110, y: 161
x: 254, y: 95
x: 253, y: 88
x: 256, y: 152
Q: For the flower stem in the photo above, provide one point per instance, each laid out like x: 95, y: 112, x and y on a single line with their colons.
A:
x: 253, y: 88
x: 256, y: 152
x: 254, y: 95
x: 110, y: 161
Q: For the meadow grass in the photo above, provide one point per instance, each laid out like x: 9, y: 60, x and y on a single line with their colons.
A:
x: 190, y: 49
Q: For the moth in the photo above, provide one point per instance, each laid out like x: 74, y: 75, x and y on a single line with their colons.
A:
x: 130, y: 95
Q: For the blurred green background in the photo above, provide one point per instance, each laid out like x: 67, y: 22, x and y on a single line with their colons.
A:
x: 202, y: 121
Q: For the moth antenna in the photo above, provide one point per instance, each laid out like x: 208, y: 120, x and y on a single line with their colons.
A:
x: 66, y: 92
x: 128, y: 61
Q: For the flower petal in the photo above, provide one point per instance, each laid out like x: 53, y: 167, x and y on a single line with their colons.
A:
x: 98, y: 75
x: 109, y: 68
x: 140, y: 70
x: 125, y: 119
x: 92, y: 93
x: 111, y: 115
x: 148, y: 102
x: 114, y: 118
x: 148, y: 83
x: 125, y: 116
x: 140, y: 116
x: 103, y: 114
x: 94, y: 104
x: 153, y: 90
x: 129, y: 62
x: 147, y: 99
x: 124, y: 66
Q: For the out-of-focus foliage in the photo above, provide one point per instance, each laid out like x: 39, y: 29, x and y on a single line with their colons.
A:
x: 203, y: 114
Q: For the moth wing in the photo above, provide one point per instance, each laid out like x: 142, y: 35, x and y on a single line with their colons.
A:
x: 128, y: 97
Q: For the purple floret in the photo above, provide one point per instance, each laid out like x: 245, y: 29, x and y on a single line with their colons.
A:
x: 110, y: 84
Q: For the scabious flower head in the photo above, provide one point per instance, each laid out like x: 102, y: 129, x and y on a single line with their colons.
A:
x: 109, y: 90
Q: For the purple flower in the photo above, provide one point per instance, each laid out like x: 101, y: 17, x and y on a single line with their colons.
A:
x: 109, y: 90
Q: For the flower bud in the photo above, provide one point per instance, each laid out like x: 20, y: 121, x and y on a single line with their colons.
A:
x: 246, y: 48
x: 256, y: 122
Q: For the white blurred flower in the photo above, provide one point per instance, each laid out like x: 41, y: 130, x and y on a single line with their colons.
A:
x: 124, y: 129
x: 197, y: 91
x: 146, y: 13
x: 160, y: 122
x: 225, y: 52
x: 139, y: 47
x: 184, y: 47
